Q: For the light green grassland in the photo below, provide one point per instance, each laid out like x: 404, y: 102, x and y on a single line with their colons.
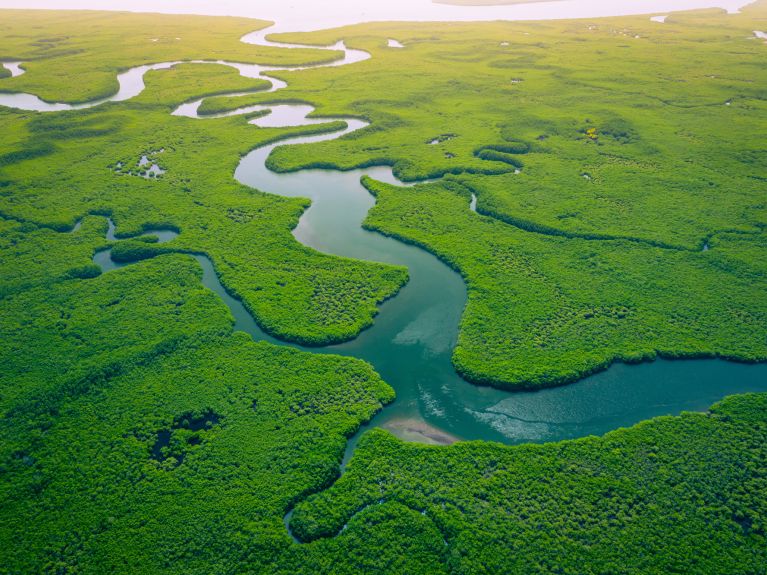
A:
x: 94, y: 46
x: 184, y: 82
x: 139, y: 434
x: 221, y: 104
x: 294, y: 292
x: 658, y: 172
x: 547, y: 309
x: 560, y: 103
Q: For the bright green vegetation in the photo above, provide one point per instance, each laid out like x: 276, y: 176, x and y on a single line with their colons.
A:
x: 184, y: 82
x: 221, y: 104
x: 141, y: 435
x: 546, y: 309
x: 94, y: 46
x: 605, y: 153
x: 62, y: 166
x: 32, y: 257
x: 673, y: 495
x: 658, y: 173
x: 97, y: 373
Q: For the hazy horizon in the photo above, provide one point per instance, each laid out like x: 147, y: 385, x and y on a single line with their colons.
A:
x: 311, y: 15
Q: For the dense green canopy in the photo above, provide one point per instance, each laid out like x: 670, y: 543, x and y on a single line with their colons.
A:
x: 140, y: 434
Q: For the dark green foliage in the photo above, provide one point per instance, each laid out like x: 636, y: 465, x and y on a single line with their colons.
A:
x: 28, y: 153
x: 34, y: 257
x: 84, y: 272
x: 140, y: 356
x: 618, y: 129
x: 138, y: 434
x: 72, y: 125
x: 514, y: 145
x: 505, y: 154
x: 675, y: 494
x: 135, y: 250
x: 187, y: 431
x: 545, y: 310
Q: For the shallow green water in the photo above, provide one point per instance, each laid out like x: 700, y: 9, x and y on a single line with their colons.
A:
x: 412, y: 339
x: 411, y: 342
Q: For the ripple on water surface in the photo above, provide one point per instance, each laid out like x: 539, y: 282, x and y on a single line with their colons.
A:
x: 412, y: 339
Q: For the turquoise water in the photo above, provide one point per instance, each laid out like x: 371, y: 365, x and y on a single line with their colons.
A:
x: 411, y: 342
x: 412, y: 339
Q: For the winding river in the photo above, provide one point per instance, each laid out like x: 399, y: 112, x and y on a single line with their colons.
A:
x: 412, y: 339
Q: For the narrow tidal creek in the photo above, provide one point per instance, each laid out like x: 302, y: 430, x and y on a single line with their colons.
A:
x: 411, y: 341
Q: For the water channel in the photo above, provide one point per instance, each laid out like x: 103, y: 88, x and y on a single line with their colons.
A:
x: 412, y: 339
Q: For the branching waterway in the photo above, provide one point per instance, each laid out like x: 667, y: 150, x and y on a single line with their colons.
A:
x: 413, y: 336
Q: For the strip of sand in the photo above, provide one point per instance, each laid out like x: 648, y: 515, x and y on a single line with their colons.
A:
x: 418, y: 431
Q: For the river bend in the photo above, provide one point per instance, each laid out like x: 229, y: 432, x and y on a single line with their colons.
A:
x: 411, y: 341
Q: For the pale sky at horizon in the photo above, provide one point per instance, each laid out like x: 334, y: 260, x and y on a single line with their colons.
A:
x: 313, y: 14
